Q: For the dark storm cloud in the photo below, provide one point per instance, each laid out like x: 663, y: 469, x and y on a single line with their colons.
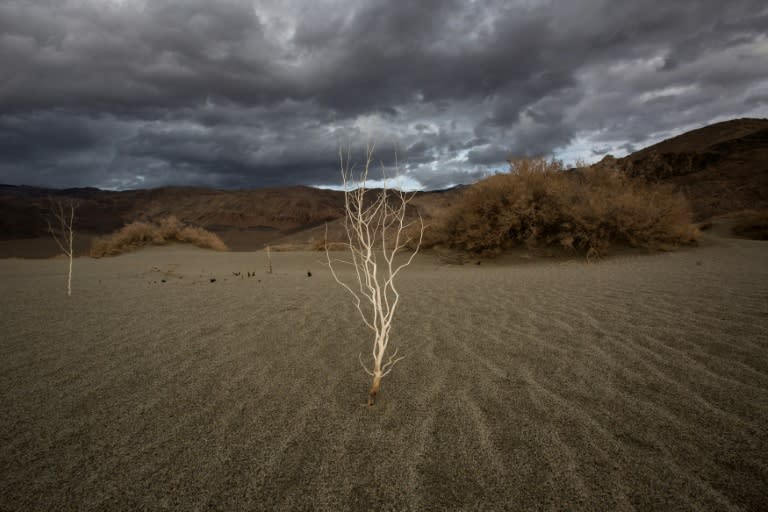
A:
x: 240, y: 93
x: 489, y: 155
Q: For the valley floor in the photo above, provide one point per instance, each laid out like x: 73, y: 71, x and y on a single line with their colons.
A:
x: 638, y: 383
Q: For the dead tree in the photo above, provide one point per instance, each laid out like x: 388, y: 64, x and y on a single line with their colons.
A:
x: 376, y: 231
x: 61, y: 226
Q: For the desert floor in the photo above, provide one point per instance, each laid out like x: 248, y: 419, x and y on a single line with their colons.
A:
x: 637, y: 383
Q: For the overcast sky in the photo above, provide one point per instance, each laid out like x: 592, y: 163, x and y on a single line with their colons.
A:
x: 241, y: 93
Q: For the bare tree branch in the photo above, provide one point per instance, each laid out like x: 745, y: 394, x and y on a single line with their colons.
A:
x: 376, y: 232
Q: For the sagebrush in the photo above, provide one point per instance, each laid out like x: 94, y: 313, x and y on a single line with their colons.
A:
x: 539, y: 204
x: 141, y: 234
x: 752, y: 224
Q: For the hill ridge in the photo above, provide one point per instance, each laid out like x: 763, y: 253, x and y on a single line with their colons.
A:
x: 722, y: 167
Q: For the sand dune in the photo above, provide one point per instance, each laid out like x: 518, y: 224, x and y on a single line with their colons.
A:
x: 639, y: 383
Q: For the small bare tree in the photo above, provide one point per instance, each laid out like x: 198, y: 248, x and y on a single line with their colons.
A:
x: 61, y: 226
x: 376, y: 231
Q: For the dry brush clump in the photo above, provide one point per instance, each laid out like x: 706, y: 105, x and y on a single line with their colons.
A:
x: 540, y: 205
x: 141, y: 234
x: 752, y: 224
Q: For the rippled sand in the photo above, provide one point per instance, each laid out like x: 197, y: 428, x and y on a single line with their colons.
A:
x: 639, y: 383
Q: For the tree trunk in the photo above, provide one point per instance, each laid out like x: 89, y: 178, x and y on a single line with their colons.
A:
x: 69, y: 277
x: 374, y: 389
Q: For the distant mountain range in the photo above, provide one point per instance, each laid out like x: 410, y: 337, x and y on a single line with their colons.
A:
x: 277, y: 211
x: 722, y: 168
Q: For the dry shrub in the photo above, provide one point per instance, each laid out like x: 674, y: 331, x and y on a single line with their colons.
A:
x: 312, y: 245
x: 291, y: 247
x: 140, y: 234
x: 539, y: 205
x: 323, y: 245
x: 752, y: 224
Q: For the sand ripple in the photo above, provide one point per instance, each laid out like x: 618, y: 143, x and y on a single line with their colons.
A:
x: 640, y: 383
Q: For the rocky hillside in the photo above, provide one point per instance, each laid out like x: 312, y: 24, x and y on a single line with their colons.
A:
x: 723, y: 167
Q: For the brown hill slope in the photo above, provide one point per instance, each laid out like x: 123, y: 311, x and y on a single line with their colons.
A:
x: 723, y: 167
x: 245, y: 219
x: 23, y: 209
x: 284, y: 209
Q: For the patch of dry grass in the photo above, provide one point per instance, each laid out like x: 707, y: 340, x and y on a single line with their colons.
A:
x: 539, y: 205
x: 322, y: 245
x: 141, y: 234
x: 752, y: 224
x: 290, y: 247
